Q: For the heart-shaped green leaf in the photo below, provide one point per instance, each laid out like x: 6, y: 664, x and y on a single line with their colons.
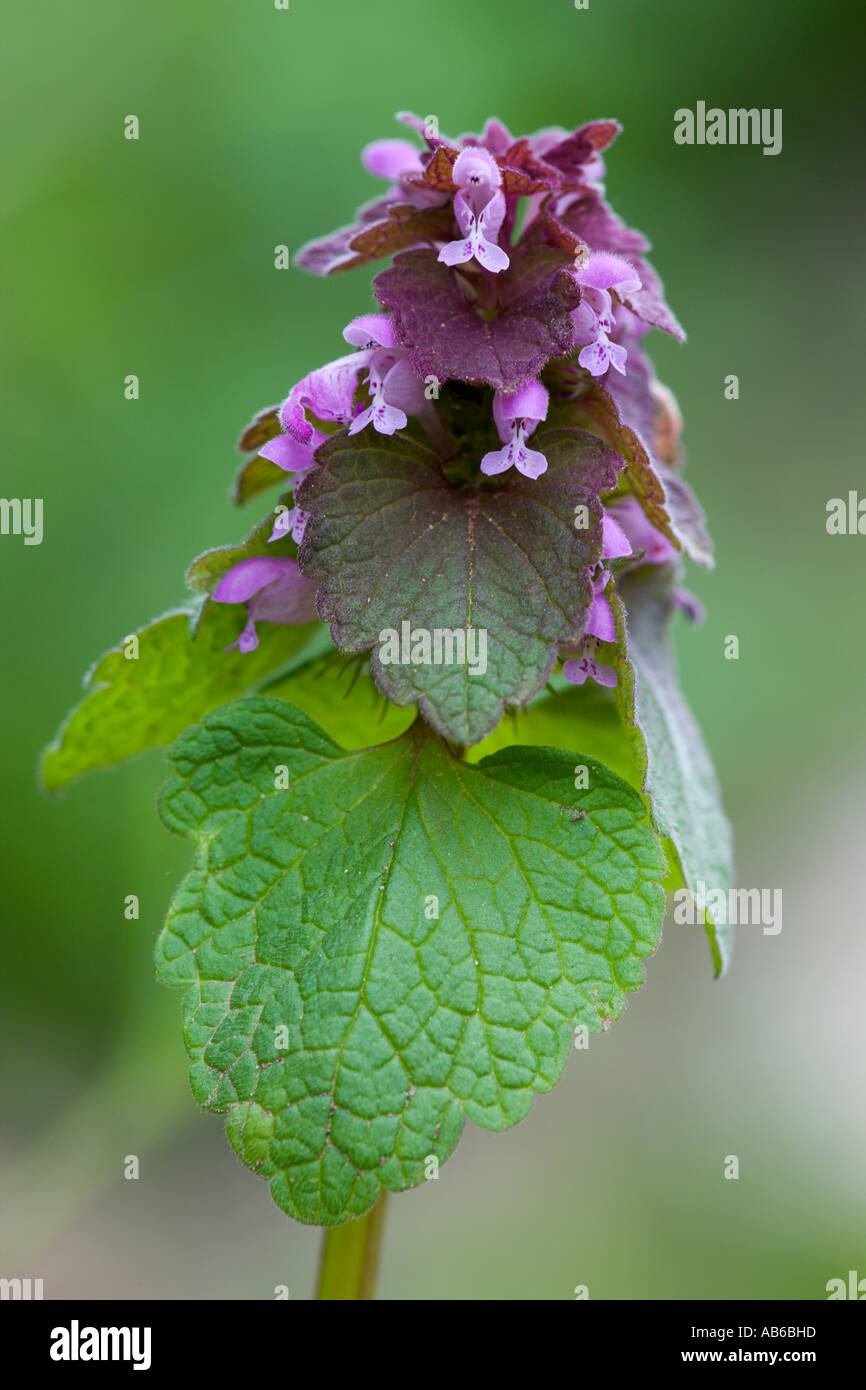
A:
x: 377, y: 945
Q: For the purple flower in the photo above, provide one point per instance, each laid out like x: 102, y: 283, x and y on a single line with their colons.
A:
x: 286, y: 450
x: 593, y: 318
x: 403, y: 165
x: 690, y: 604
x: 598, y: 356
x: 391, y: 159
x: 558, y: 173
x: 479, y: 207
x: 510, y: 271
x: 630, y: 516
x: 600, y: 626
x: 274, y: 591
x: 495, y: 137
x: 615, y: 543
x: 394, y: 385
x: 600, y: 621
x: 291, y: 521
x: 584, y: 666
x: 329, y: 394
x: 516, y: 416
x: 639, y: 534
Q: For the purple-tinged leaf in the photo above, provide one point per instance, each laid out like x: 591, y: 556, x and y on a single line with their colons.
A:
x: 668, y: 501
x: 548, y: 229
x: 404, y: 226
x: 437, y: 171
x: 648, y: 303
x: 263, y: 426
x: 600, y: 227
x: 521, y: 156
x: 633, y: 391
x: 392, y: 542
x: 571, y: 154
x: 447, y: 335
x: 334, y: 252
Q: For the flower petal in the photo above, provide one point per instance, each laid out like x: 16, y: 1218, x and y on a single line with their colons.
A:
x: 287, y: 453
x: 596, y: 356
x: 290, y: 599
x: 615, y: 542
x: 245, y: 578
x: 377, y: 329
x: 530, y: 462
x: 476, y: 167
x: 456, y: 253
x: 248, y: 640
x: 605, y: 271
x: 600, y: 621
x: 391, y: 159
x: 528, y: 402
x: 497, y: 461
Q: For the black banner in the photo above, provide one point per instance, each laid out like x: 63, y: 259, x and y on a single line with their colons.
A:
x: 65, y: 1338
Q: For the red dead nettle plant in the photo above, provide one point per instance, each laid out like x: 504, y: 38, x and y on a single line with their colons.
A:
x: 427, y: 736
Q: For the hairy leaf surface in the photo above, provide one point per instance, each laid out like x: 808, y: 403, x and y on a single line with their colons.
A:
x: 680, y: 780
x: 392, y: 541
x: 392, y: 943
x: 181, y: 670
x: 445, y: 334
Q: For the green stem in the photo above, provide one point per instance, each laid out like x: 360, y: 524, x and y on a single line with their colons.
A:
x: 350, y: 1256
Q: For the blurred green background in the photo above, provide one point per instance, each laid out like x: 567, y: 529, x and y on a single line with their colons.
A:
x: 156, y: 258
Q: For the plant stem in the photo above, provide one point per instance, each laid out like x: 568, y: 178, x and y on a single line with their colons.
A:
x: 350, y: 1256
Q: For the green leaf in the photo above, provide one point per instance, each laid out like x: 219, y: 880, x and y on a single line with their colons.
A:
x: 679, y: 777
x: 569, y: 716
x: 393, y: 541
x: 340, y: 694
x: 256, y: 474
x: 263, y: 427
x: 139, y: 701
x: 312, y: 909
x: 588, y: 717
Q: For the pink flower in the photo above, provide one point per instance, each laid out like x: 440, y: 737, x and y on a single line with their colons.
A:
x: 593, y: 317
x: 274, y: 591
x: 516, y: 416
x: 600, y: 626
x: 394, y: 385
x: 584, y: 666
x: 630, y: 516
x: 479, y: 207
x: 391, y: 159
x: 290, y: 522
x: 328, y: 394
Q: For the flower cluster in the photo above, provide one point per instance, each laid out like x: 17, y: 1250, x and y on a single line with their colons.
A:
x: 513, y: 278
